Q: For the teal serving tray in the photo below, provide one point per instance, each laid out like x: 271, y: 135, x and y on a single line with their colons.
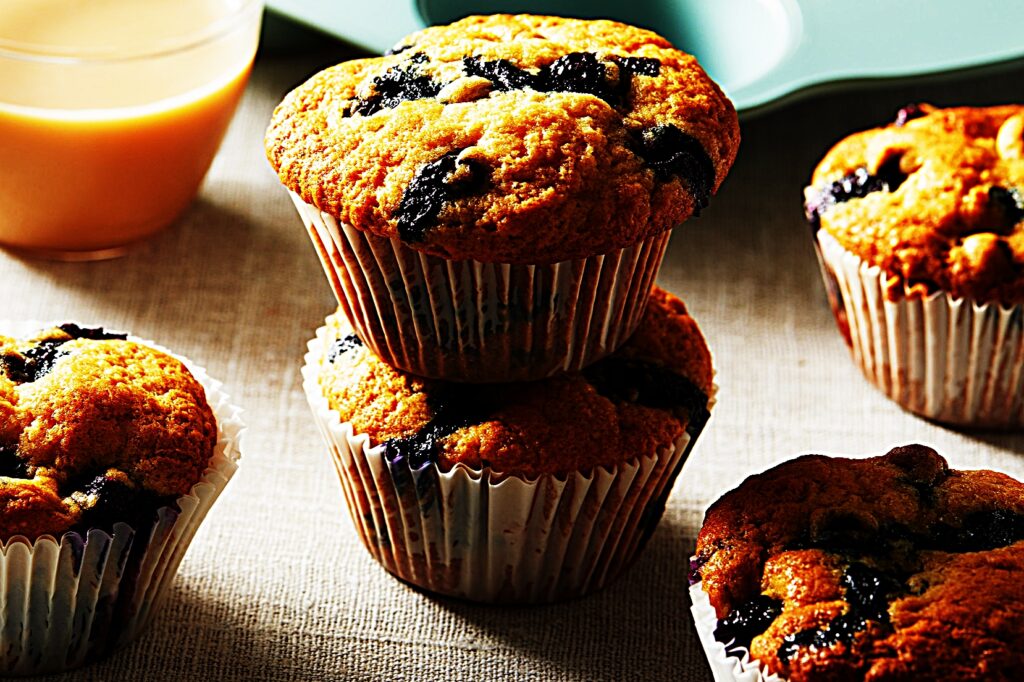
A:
x: 759, y: 51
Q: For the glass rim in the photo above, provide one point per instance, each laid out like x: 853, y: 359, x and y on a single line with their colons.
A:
x: 46, y: 54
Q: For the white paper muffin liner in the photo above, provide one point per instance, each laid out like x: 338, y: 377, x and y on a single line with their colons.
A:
x: 947, y: 359
x: 465, y: 320
x: 65, y: 602
x: 724, y: 667
x: 484, y: 537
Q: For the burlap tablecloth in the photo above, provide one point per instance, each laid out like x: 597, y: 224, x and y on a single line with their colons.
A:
x: 276, y: 585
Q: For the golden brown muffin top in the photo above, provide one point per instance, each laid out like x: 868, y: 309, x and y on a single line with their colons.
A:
x: 936, y: 199
x: 92, y: 426
x: 516, y: 139
x: 634, y: 402
x: 887, y: 568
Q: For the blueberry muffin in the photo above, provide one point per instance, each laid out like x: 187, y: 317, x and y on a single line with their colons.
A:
x: 920, y: 230
x: 95, y: 429
x: 589, y: 454
x: 111, y: 453
x: 505, y: 141
x: 887, y: 568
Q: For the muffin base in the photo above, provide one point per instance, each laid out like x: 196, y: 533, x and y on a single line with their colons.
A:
x: 464, y: 320
x: 950, y: 360
x: 70, y: 601
x: 487, y: 537
x: 724, y: 667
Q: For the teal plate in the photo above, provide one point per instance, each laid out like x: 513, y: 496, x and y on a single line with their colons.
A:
x: 759, y: 51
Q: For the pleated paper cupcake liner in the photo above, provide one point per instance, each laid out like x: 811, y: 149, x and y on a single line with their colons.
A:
x: 725, y: 667
x: 951, y: 360
x: 65, y: 602
x: 478, y: 535
x: 464, y: 320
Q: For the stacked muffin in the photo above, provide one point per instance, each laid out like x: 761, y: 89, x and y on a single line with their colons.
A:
x: 491, y: 203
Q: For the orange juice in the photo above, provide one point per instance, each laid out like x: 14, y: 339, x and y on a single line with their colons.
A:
x: 111, y: 112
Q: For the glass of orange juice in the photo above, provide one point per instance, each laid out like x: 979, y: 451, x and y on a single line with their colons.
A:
x: 111, y: 112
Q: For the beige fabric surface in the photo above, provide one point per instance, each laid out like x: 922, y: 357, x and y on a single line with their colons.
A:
x: 276, y: 585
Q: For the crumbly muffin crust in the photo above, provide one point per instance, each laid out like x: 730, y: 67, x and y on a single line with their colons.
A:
x: 638, y: 400
x: 935, y: 199
x: 516, y: 139
x: 887, y: 568
x: 92, y: 427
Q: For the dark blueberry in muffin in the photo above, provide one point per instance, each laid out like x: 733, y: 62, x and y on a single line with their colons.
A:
x: 106, y: 500
x: 1006, y: 207
x: 868, y: 590
x: 842, y: 628
x: 396, y: 85
x: 640, y: 66
x: 669, y: 151
x: 342, y: 346
x: 577, y: 72
x: 503, y: 74
x: 33, y: 363
x: 855, y: 185
x: 437, y: 182
x: 38, y: 360
x: 747, y: 621
x: 421, y: 448
x: 453, y: 409
x: 908, y: 113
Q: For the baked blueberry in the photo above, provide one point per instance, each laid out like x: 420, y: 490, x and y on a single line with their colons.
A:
x: 396, y: 85
x: 855, y: 185
x: 640, y: 66
x: 503, y: 74
x: 437, y: 183
x: 669, y: 151
x: 747, y: 621
x: 38, y: 359
x: 577, y: 72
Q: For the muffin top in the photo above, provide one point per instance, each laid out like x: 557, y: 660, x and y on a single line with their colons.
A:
x: 513, y: 139
x: 636, y: 401
x: 892, y: 567
x: 94, y: 429
x: 935, y: 199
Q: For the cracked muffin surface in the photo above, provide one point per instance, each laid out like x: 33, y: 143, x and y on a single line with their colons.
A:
x: 886, y: 568
x: 636, y: 401
x: 935, y: 199
x: 515, y: 139
x: 95, y: 429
